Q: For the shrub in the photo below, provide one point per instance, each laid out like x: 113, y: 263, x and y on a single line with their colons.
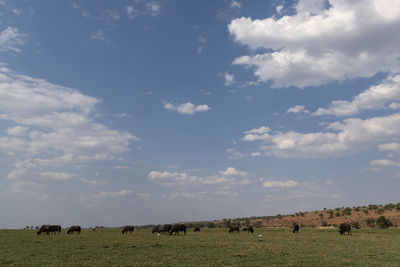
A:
x: 331, y: 214
x: 337, y: 214
x: 370, y: 222
x: 398, y: 206
x: 357, y: 209
x: 372, y: 207
x: 347, y: 211
x: 355, y: 225
x: 383, y: 223
x: 389, y: 206
x: 211, y: 225
x: 380, y: 211
x: 366, y: 211
x: 324, y: 223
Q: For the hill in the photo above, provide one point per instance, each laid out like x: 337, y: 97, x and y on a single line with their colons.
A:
x: 364, y: 216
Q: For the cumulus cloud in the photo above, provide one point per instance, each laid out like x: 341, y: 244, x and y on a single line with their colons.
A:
x: 321, y: 43
x: 230, y: 176
x: 186, y: 108
x: 288, y: 183
x: 11, y: 39
x: 53, y: 125
x: 229, y: 79
x: 341, y: 138
x: 232, y: 171
x: 376, y: 97
x: 297, y: 109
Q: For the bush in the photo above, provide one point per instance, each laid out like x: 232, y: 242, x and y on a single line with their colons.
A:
x: 346, y: 211
x: 355, y: 225
x: 380, y: 211
x: 366, y: 211
x: 337, y: 214
x: 370, y: 222
x: 324, y: 223
x: 389, y: 206
x: 398, y: 206
x: 372, y: 207
x: 383, y: 223
x: 211, y: 225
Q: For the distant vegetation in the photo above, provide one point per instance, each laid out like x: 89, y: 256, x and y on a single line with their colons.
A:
x: 360, y: 216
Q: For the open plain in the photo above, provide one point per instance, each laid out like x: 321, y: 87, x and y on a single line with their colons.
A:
x: 210, y: 247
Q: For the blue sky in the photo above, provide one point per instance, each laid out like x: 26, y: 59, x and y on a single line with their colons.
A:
x: 139, y: 112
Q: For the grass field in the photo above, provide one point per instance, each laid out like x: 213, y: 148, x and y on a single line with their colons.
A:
x: 315, y: 247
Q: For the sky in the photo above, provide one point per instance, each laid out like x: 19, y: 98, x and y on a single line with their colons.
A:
x: 159, y: 111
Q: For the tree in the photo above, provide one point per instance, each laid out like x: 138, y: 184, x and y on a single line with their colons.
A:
x: 383, y: 223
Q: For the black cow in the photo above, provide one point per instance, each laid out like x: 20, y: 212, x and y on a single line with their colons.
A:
x: 176, y: 228
x: 157, y: 229
x: 128, y: 228
x: 44, y: 229
x: 250, y: 229
x: 345, y: 227
x: 245, y: 229
x: 234, y: 229
x: 75, y: 228
x: 49, y: 229
x: 296, y: 228
x: 197, y: 229
x: 167, y: 228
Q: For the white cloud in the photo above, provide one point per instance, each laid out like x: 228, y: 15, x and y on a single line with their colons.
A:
x: 10, y: 39
x: 288, y: 183
x: 231, y: 171
x: 297, y: 109
x: 261, y: 133
x: 376, y: 97
x: 112, y: 14
x: 394, y: 105
x: 153, y: 8
x: 17, y: 131
x: 230, y: 176
x: 384, y: 163
x: 56, y: 175
x: 130, y: 11
x: 229, y: 79
x: 122, y: 193
x: 279, y: 9
x: 171, y: 176
x: 256, y: 154
x: 234, y: 154
x: 389, y: 147
x: 186, y: 108
x: 54, y: 125
x: 311, y: 6
x: 311, y: 49
x: 235, y: 4
x: 348, y: 137
x: 99, y: 35
x: 202, y: 41
x: 196, y: 195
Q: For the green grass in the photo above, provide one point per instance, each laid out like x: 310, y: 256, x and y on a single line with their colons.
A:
x: 311, y: 247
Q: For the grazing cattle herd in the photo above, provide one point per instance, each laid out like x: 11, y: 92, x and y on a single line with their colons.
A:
x: 171, y: 229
